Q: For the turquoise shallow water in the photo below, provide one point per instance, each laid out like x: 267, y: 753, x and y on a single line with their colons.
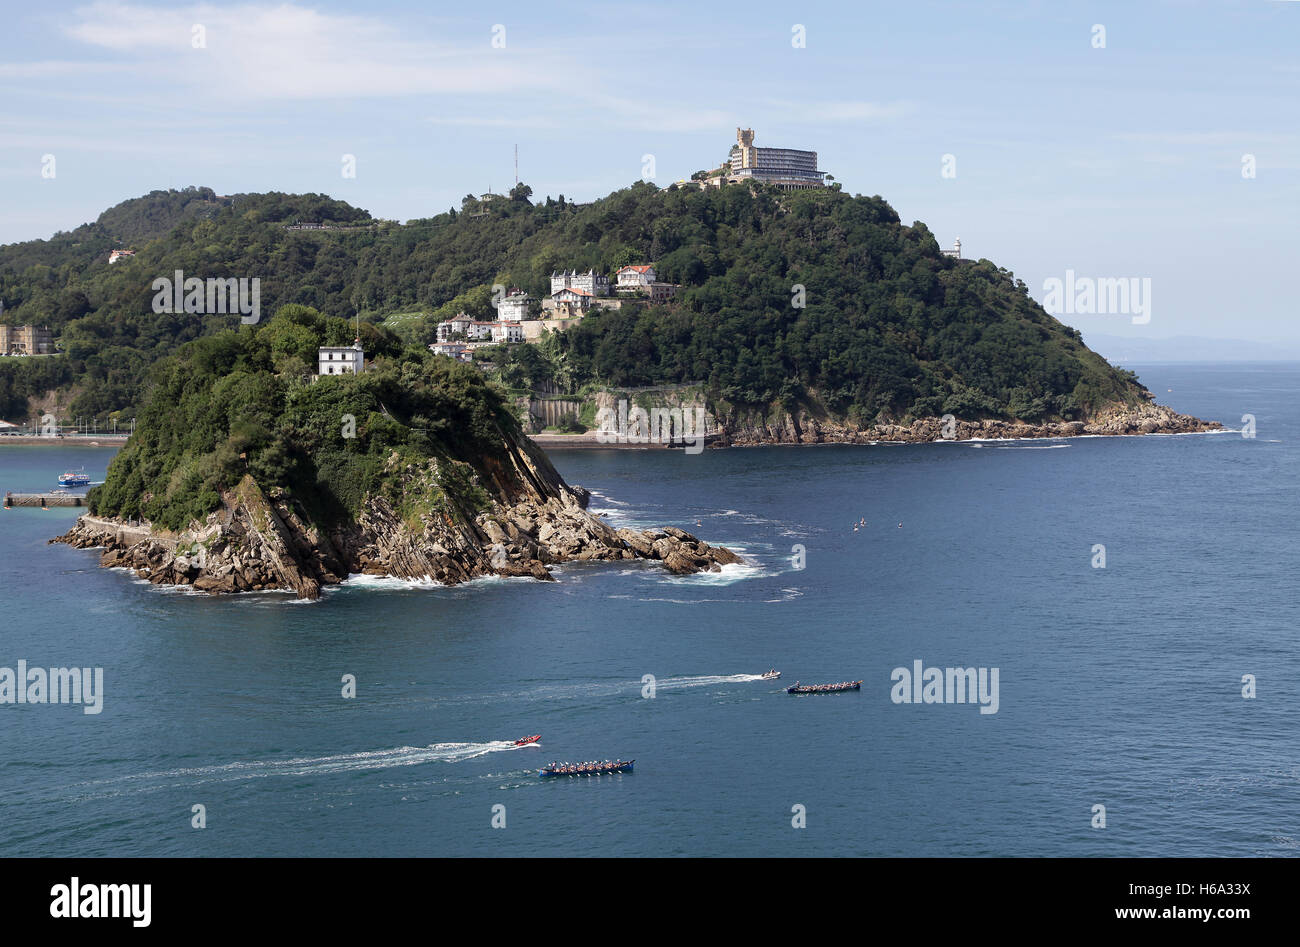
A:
x: 1118, y: 686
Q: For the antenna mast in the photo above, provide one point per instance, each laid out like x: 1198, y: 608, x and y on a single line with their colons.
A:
x: 516, y: 165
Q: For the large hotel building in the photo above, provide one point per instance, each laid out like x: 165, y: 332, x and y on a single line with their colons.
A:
x: 787, y: 168
x: 26, y: 340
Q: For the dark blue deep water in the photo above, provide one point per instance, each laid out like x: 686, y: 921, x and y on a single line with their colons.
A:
x: 1118, y: 687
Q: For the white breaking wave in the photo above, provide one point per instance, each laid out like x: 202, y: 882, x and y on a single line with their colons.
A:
x: 730, y: 573
x: 388, y: 583
x: 606, y: 498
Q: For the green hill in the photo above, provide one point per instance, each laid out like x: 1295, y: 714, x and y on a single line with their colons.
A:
x: 891, y: 330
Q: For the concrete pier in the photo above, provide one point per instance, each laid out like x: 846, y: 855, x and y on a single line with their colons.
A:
x: 44, y: 499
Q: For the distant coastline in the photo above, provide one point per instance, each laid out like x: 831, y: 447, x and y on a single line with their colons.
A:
x: 591, y: 439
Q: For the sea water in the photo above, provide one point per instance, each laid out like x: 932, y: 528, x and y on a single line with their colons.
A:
x: 1119, y: 686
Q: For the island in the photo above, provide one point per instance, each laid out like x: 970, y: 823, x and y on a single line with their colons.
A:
x: 249, y: 471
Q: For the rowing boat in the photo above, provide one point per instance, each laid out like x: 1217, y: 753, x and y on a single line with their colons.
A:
x: 798, y: 688
x: 587, y: 769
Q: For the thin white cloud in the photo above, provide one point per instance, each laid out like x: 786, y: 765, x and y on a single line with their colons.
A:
x: 58, y: 69
x: 292, y: 52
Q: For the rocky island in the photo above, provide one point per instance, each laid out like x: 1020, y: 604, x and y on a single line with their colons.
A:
x: 247, y: 473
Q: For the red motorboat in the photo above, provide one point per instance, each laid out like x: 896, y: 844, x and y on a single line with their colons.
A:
x: 524, y: 741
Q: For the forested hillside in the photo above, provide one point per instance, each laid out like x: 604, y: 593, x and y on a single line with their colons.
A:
x: 889, y: 329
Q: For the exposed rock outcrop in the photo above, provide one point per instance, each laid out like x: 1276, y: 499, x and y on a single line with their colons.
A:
x: 801, y: 428
x: 258, y: 541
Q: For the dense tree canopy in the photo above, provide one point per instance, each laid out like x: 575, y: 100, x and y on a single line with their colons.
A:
x: 813, y: 298
x: 243, y: 401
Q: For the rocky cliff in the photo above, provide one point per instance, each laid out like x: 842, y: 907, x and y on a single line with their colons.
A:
x: 261, y: 540
x: 747, y: 429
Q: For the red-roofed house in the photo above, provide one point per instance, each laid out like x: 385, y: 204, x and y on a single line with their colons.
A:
x: 635, y: 278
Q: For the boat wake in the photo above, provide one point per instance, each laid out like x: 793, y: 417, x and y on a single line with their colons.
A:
x: 300, y: 766
x: 587, y: 690
x: 705, y: 680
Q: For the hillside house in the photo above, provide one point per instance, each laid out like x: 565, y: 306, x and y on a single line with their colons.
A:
x: 590, y: 281
x: 507, y: 332
x: 514, y: 307
x: 341, y: 359
x: 631, y: 279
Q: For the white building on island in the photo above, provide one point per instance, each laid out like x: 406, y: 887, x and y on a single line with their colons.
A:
x: 341, y: 359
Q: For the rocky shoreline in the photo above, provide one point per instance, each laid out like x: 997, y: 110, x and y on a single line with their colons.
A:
x: 1147, y: 418
x: 260, y: 542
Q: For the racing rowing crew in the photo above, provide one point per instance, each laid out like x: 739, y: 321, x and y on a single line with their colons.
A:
x: 798, y: 688
x: 588, y: 769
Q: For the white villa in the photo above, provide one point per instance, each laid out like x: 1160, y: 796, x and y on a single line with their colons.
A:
x: 120, y: 255
x: 507, y: 332
x: 641, y: 280
x: 514, y: 308
x: 590, y: 281
x: 456, y: 325
x: 633, y: 278
x: 462, y: 324
x: 461, y: 351
x: 341, y: 360
x: 571, y: 298
x: 573, y: 295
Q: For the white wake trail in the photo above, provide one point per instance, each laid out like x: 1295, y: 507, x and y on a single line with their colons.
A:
x: 705, y: 680
x: 305, y: 766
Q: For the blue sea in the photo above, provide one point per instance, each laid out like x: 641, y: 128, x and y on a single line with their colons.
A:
x: 1119, y: 687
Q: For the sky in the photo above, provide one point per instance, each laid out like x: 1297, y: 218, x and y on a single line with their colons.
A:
x: 1154, y: 140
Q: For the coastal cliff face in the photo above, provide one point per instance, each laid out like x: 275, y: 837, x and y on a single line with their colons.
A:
x: 741, y: 429
x: 260, y: 541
